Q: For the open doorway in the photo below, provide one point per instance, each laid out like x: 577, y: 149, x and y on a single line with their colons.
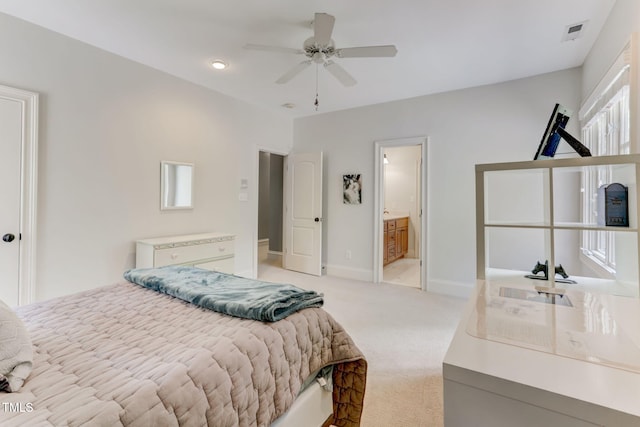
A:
x: 401, y: 215
x: 289, y: 224
x: 270, y: 210
x: 400, y: 212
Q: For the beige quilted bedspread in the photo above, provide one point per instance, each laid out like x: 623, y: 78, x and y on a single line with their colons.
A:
x: 125, y: 355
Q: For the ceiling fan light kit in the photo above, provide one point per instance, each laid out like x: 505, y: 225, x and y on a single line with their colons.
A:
x: 320, y: 48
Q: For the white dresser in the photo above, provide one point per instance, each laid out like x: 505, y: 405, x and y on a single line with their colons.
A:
x: 211, y: 251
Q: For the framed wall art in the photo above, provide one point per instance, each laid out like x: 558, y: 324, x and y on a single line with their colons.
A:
x: 352, y: 189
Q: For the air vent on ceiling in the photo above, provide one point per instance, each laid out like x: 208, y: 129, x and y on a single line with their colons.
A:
x: 574, y: 31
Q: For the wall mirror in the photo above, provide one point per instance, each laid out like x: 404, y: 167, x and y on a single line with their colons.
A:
x: 176, y: 185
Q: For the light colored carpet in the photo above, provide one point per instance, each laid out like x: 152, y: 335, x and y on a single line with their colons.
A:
x: 404, y: 334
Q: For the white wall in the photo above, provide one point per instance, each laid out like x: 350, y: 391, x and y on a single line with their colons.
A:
x: 105, y: 125
x: 495, y: 123
x: 623, y: 20
x: 107, y: 122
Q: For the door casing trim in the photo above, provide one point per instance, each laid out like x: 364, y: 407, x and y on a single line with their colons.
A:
x: 29, y: 102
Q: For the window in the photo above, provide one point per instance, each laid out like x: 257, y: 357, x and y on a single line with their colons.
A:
x: 605, y: 131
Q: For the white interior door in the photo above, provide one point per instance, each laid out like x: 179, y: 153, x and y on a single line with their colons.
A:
x: 303, y: 213
x: 11, y: 121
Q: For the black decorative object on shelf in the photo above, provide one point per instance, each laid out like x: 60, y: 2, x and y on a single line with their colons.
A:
x: 613, y: 206
x: 544, y: 269
x: 555, y: 131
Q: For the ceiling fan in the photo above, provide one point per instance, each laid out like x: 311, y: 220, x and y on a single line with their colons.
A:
x: 320, y: 49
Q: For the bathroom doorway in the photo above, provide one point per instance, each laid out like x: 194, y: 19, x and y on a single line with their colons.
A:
x: 400, y: 208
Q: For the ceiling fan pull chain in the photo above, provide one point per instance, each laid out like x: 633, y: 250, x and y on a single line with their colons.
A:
x: 316, y: 103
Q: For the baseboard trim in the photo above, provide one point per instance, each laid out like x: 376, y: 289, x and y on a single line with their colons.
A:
x: 445, y: 287
x: 348, y: 272
x: 246, y: 273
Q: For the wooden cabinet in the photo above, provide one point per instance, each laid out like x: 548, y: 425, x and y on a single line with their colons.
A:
x: 385, y: 253
x: 396, y: 239
x: 402, y: 240
x: 211, y: 251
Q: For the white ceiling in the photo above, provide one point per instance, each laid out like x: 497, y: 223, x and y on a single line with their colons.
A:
x: 442, y: 45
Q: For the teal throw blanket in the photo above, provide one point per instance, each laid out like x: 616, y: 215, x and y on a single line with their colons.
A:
x: 226, y: 293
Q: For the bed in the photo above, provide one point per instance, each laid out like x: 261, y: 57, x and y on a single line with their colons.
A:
x: 127, y: 355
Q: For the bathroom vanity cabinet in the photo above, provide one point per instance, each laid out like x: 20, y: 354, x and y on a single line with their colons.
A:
x: 396, y: 238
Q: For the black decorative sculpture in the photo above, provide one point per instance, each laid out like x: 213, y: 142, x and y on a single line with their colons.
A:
x: 544, y: 268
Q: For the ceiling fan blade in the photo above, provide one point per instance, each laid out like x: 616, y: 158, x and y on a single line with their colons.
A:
x: 367, y: 51
x: 322, y: 28
x: 340, y: 73
x: 293, y: 72
x: 280, y: 49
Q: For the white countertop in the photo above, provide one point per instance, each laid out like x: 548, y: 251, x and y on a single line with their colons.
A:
x: 576, y: 376
x: 394, y: 215
x: 187, y: 238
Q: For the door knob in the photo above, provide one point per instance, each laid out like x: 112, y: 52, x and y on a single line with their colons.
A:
x: 8, y: 237
x: 316, y: 219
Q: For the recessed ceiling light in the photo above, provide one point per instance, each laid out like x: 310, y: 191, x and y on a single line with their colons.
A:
x: 219, y: 65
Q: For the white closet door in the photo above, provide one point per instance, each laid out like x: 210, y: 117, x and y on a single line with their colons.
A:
x: 10, y: 150
x: 303, y: 213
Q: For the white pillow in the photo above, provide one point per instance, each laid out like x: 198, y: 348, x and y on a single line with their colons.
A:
x: 16, y: 352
